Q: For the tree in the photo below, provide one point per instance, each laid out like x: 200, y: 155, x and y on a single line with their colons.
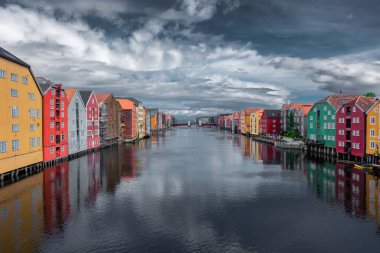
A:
x: 369, y: 94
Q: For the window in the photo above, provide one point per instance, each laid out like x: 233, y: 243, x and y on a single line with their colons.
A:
x: 62, y: 114
x: 33, y: 127
x: 15, y: 145
x: 325, y: 117
x: 3, y: 146
x: 51, y: 150
x: 89, y: 132
x: 51, y: 124
x: 332, y: 116
x: 63, y: 137
x: 92, y: 101
x: 82, y: 133
x: 372, y: 120
x: 2, y: 73
x: 89, y: 122
x: 38, y: 141
x: 325, y: 125
x: 372, y: 144
x: 332, y: 125
x: 62, y: 124
x: 96, y: 122
x: 329, y: 137
x: 15, y: 128
x: 376, y: 110
x: 32, y: 96
x: 333, y: 137
x: 372, y: 132
x: 63, y: 148
x: 24, y: 80
x: 51, y: 138
x: 325, y: 108
x: 51, y: 113
x: 62, y: 105
x: 354, y: 109
x: 328, y: 125
x: 38, y: 113
x: 14, y: 77
x: 329, y: 113
x: 14, y: 93
x: 51, y: 101
x: 324, y: 137
x: 14, y: 112
x: 32, y: 113
x: 96, y: 132
x: 342, y: 109
x: 32, y: 142
x: 53, y: 91
x: 311, y: 117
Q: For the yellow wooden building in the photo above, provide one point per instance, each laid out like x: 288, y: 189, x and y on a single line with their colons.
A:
x: 21, y: 114
x: 245, y: 121
x: 255, y: 121
x: 373, y: 131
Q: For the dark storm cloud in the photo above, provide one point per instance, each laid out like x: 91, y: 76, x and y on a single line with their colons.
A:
x: 200, y: 56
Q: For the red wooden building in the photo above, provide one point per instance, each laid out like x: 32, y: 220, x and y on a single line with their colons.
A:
x: 270, y: 122
x: 92, y: 111
x: 351, y: 126
x: 129, y: 120
x: 55, y: 120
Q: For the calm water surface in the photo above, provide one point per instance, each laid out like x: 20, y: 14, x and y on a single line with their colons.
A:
x: 194, y: 190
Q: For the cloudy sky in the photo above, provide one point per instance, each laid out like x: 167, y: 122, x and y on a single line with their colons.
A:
x: 192, y: 57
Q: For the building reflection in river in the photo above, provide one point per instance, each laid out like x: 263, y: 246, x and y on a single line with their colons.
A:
x: 263, y: 152
x: 22, y: 215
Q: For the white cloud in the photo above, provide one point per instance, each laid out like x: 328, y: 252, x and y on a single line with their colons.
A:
x: 188, y: 76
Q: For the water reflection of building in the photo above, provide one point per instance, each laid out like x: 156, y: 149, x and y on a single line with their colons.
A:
x: 373, y: 197
x: 110, y: 169
x: 293, y: 160
x: 129, y: 162
x: 56, y: 196
x: 247, y: 147
x: 84, y: 179
x: 321, y: 177
x: 350, y: 189
x: 264, y: 152
x: 21, y: 215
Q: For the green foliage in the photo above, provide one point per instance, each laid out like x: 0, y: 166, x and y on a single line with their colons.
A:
x: 369, y: 94
x: 292, y: 133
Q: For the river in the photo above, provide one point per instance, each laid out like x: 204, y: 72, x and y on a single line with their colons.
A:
x: 192, y: 190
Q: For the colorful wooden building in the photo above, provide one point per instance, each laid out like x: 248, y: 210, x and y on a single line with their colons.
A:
x: 351, y: 127
x: 300, y: 119
x: 235, y: 122
x: 21, y: 114
x: 147, y: 122
x: 55, y: 120
x: 153, y: 120
x: 270, y: 122
x: 110, y: 111
x: 373, y: 132
x: 77, y: 128
x: 321, y: 120
x: 92, y: 112
x: 255, y: 122
x: 129, y: 120
x: 245, y: 121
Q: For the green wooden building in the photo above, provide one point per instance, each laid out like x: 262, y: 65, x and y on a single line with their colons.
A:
x: 321, y: 119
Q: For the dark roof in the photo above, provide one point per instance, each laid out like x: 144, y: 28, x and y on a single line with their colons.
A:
x: 337, y: 100
x: 5, y: 54
x: 44, y: 83
x: 85, y: 94
x: 272, y: 113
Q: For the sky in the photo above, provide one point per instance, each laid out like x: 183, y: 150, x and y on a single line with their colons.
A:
x: 200, y: 57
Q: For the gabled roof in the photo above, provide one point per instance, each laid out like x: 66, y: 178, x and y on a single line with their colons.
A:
x: 248, y: 111
x: 70, y: 94
x: 126, y: 104
x: 101, y: 97
x: 44, y: 83
x: 7, y: 55
x: 364, y: 103
x: 306, y: 110
x: 258, y: 112
x: 337, y: 100
x: 272, y: 113
x: 134, y: 100
x: 85, y: 94
x: 285, y: 107
x: 301, y: 105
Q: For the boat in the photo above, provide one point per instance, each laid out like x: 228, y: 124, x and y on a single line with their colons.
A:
x: 363, y: 166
